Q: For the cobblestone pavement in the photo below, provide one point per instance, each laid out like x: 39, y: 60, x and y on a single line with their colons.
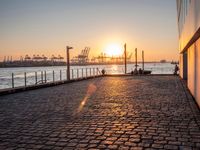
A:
x: 144, y: 112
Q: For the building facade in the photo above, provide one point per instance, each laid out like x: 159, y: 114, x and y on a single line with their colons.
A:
x: 188, y: 12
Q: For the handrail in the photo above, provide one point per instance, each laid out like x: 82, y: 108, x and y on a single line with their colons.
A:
x: 85, y: 73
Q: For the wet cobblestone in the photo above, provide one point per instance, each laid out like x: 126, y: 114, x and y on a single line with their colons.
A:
x: 144, y: 112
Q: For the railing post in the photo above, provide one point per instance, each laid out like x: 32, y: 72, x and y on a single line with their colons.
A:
x: 60, y: 75
x: 35, y: 77
x: 90, y: 72
x: 53, y: 76
x: 86, y: 72
x: 66, y: 75
x: 82, y: 72
x: 97, y: 71
x: 13, y: 84
x: 72, y: 73
x: 45, y: 76
x: 77, y: 73
x: 94, y: 72
x: 25, y: 79
x: 42, y: 76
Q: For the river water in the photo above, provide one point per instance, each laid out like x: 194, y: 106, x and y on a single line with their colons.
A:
x: 6, y: 73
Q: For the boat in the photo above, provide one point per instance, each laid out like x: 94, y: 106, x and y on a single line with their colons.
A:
x: 147, y: 72
x: 174, y: 62
x: 163, y: 61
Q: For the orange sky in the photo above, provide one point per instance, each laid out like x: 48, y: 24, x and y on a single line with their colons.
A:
x: 47, y: 27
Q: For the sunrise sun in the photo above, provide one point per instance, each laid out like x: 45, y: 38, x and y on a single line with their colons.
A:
x: 114, y: 49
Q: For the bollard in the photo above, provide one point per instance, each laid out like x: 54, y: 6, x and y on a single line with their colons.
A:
x: 77, y: 73
x: 60, y: 75
x: 45, y: 76
x: 35, y: 77
x: 53, y: 76
x: 25, y: 79
x: 82, y: 72
x: 13, y: 85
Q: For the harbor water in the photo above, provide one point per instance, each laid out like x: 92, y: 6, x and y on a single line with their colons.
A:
x: 78, y: 71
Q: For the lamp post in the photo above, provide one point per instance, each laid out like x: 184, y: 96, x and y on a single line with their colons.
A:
x: 136, y: 59
x: 125, y: 58
x: 68, y: 61
x: 143, y: 61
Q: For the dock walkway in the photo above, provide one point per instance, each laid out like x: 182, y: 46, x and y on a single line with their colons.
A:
x: 141, y: 112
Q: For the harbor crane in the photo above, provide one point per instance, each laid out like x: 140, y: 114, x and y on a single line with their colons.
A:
x: 82, y: 58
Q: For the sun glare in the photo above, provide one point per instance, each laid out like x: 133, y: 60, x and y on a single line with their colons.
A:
x: 114, y: 49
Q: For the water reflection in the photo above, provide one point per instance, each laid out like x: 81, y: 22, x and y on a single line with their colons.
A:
x: 114, y: 69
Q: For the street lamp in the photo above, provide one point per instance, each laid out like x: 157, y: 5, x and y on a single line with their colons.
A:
x: 68, y: 61
x: 125, y: 63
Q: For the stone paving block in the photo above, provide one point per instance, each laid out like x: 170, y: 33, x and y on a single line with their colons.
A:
x: 170, y: 147
x: 136, y: 112
x: 157, y: 146
x: 112, y: 146
x: 136, y: 148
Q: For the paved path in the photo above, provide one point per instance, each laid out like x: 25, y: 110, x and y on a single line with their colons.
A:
x: 104, y: 113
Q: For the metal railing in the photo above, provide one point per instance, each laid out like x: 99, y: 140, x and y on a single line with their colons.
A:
x: 43, y: 77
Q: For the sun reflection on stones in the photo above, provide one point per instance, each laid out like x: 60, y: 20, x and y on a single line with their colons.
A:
x: 90, y: 90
